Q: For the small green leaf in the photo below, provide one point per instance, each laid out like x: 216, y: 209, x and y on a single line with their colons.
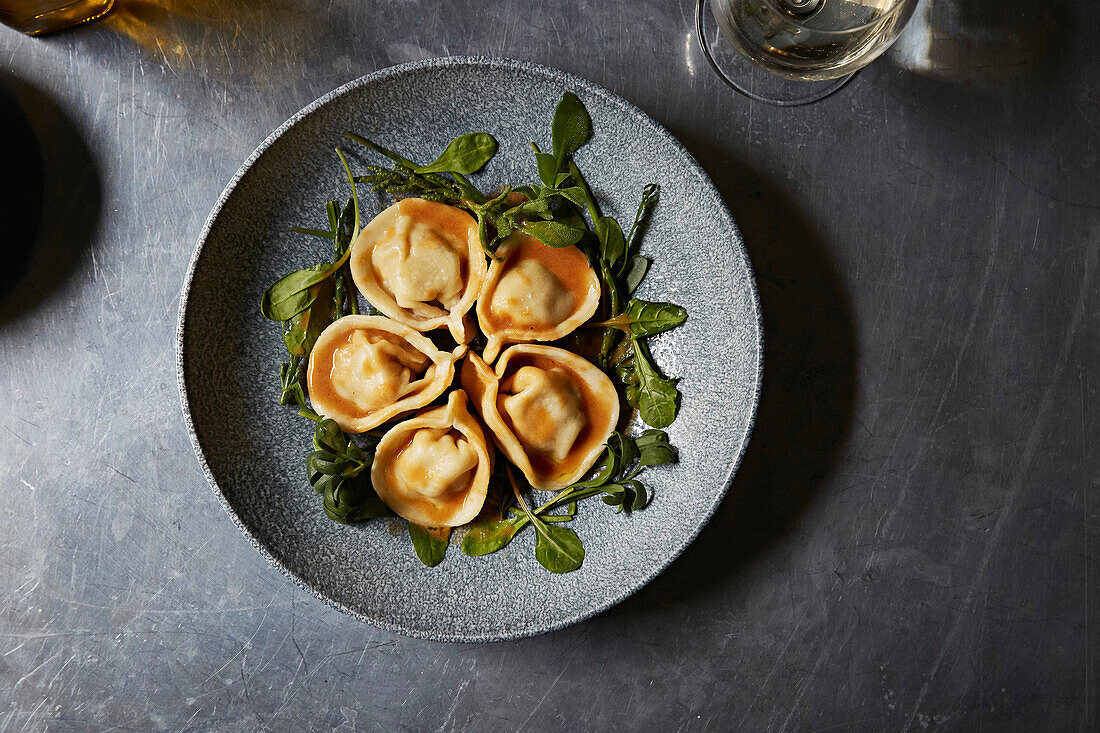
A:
x: 657, y: 397
x: 304, y: 328
x: 636, y: 269
x: 429, y: 548
x: 626, y: 448
x: 539, y: 207
x: 548, y: 168
x: 290, y: 295
x: 649, y: 319
x: 553, y: 233
x: 350, y: 500
x: 654, y: 448
x: 571, y: 127
x: 558, y: 549
x: 465, y: 154
x: 488, y: 537
x: 612, y: 242
x: 575, y: 194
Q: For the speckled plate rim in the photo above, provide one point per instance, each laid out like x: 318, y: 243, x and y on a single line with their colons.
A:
x: 578, y: 84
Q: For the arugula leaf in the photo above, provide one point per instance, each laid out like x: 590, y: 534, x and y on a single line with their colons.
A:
x: 651, y: 318
x: 657, y: 397
x: 558, y: 549
x: 553, y: 233
x: 465, y: 154
x: 571, y: 127
x: 429, y: 543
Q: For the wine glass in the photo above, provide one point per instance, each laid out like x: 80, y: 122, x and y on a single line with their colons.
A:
x: 810, y: 47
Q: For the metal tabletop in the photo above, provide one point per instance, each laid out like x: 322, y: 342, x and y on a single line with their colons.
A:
x: 910, y: 543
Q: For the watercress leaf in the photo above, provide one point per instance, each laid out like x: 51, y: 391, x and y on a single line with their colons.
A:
x: 561, y: 178
x: 609, y: 464
x: 558, y: 549
x: 323, y: 482
x: 571, y: 127
x: 465, y: 154
x: 327, y: 435
x: 553, y: 233
x: 628, y: 450
x: 574, y: 194
x: 641, y: 498
x: 429, y: 543
x: 539, y: 207
x: 657, y: 397
x: 612, y: 242
x: 355, y: 453
x: 614, y: 489
x: 486, y: 537
x: 612, y: 500
x: 655, y: 449
x: 529, y: 191
x: 350, y: 499
x: 323, y: 462
x: 650, y: 195
x: 648, y: 319
x: 548, y: 168
x: 636, y: 269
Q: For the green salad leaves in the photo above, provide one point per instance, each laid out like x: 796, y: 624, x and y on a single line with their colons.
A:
x: 559, y: 210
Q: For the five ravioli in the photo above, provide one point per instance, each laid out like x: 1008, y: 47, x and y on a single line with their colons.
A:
x: 549, y: 410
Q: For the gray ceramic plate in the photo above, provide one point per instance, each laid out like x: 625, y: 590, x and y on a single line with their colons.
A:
x: 253, y: 451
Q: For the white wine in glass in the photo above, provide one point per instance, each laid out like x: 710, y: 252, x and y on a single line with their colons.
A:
x: 811, y: 40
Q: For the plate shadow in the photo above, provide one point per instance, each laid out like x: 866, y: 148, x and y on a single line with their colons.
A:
x: 806, y: 402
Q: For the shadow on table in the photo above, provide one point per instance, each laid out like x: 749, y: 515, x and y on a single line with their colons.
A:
x: 49, y: 198
x: 995, y: 48
x: 806, y: 401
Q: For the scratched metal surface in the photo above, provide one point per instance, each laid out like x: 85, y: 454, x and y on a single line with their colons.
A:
x: 910, y: 543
